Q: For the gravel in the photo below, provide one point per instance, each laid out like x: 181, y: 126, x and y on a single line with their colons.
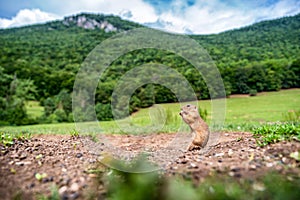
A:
x: 32, y: 167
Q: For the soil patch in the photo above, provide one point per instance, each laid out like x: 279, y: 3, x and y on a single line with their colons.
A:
x: 32, y: 167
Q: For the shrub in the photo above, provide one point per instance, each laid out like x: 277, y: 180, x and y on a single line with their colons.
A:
x: 49, y: 106
x: 103, y: 112
x: 52, y: 119
x: 252, y: 92
x: 84, y: 114
x: 70, y: 117
x: 61, y: 115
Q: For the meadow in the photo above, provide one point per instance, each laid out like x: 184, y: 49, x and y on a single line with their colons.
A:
x: 242, y: 113
x: 257, y: 114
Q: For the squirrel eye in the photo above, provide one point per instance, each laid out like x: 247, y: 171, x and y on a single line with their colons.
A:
x: 188, y: 105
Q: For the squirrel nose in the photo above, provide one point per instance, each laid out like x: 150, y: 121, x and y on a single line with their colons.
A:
x: 180, y: 113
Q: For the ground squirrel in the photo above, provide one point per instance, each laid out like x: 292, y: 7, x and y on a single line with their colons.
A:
x: 199, y: 128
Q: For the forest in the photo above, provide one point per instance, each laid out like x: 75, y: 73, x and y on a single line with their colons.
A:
x: 40, y: 63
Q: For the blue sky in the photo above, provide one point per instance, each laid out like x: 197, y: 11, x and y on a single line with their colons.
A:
x: 181, y: 16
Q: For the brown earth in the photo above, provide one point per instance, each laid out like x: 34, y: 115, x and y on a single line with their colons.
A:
x: 30, y: 168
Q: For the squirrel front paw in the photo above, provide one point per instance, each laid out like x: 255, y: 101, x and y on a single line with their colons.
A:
x: 193, y: 146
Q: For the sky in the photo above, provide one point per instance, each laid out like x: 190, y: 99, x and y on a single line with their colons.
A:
x: 179, y: 16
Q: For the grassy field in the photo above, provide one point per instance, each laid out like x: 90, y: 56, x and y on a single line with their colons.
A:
x: 266, y: 107
x: 242, y: 110
x: 242, y: 113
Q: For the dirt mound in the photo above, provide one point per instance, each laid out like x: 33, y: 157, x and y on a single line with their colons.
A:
x: 237, y: 155
x: 32, y: 167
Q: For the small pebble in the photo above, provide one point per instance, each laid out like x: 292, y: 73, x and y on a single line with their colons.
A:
x: 31, y: 185
x: 74, y: 195
x: 269, y: 164
x: 74, y: 187
x: 193, y: 165
x: 79, y: 155
x: 219, y: 154
x: 284, y: 160
x: 23, y: 156
x: 231, y: 173
x: 62, y: 190
x: 230, y: 152
x: 235, y: 169
x: 252, y: 167
x: 174, y: 167
x: 258, y: 186
x: 181, y: 161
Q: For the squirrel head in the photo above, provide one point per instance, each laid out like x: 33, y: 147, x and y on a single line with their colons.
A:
x: 189, y: 113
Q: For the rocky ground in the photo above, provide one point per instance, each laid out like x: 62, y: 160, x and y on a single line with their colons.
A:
x: 32, y: 167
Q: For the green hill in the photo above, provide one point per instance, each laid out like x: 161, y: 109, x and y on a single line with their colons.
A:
x: 273, y: 39
x: 260, y: 57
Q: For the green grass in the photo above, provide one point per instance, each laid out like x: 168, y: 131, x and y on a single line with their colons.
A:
x: 266, y: 107
x: 242, y: 113
x: 8, y: 138
x: 272, y: 133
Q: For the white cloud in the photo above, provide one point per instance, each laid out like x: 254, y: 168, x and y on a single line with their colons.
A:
x: 215, y: 16
x: 141, y: 12
x: 26, y: 17
x: 136, y: 10
x: 280, y: 9
x: 126, y: 14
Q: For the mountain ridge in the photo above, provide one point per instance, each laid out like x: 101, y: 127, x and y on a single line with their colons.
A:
x: 160, y: 27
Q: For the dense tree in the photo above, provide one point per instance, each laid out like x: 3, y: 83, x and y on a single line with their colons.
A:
x: 14, y: 94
